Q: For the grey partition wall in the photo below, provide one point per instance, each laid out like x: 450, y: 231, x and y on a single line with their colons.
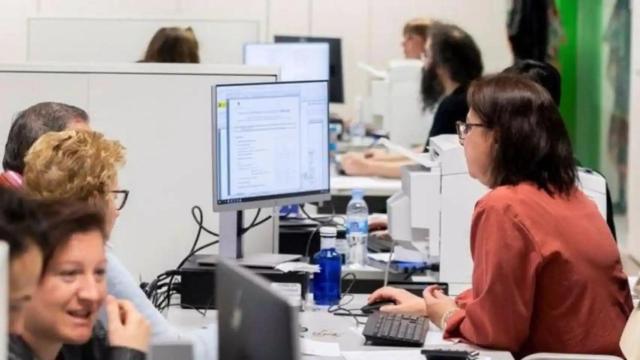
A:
x: 162, y: 114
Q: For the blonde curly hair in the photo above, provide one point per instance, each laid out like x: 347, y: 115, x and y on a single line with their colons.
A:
x: 72, y: 165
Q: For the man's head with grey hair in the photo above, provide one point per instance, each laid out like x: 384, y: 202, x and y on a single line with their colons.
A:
x: 34, y: 122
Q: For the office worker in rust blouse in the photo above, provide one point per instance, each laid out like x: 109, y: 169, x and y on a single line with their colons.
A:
x: 547, y: 275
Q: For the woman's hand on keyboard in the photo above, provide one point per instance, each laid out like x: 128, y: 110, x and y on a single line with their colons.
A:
x: 405, y: 302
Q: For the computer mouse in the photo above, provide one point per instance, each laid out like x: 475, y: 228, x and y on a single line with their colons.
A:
x: 375, y: 306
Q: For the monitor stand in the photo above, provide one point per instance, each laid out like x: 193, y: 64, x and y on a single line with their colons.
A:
x: 231, y: 224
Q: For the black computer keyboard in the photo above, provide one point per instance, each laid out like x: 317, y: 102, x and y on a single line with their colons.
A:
x: 395, y: 330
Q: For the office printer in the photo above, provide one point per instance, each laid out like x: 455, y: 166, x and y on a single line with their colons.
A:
x: 432, y: 212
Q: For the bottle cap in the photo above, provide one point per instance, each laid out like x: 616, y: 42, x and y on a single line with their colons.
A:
x: 328, y: 231
x: 357, y: 193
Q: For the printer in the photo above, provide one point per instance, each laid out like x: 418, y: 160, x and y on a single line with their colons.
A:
x: 432, y: 212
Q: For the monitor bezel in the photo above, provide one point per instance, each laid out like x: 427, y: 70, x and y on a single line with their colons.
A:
x: 269, y: 200
x: 293, y: 44
x: 338, y: 95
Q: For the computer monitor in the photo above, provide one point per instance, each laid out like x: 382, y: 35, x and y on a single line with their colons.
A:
x: 336, y: 87
x: 4, y: 298
x: 297, y: 61
x: 254, y: 321
x: 270, y: 148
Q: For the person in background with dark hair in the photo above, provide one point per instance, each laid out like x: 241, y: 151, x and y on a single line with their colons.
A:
x: 452, y: 61
x: 414, y: 37
x: 172, y: 45
x: 547, y: 275
x: 61, y: 320
x: 22, y: 228
x: 542, y: 73
x: 28, y: 126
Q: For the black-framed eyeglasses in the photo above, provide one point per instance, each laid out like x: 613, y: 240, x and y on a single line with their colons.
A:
x: 119, y: 198
x: 464, y: 128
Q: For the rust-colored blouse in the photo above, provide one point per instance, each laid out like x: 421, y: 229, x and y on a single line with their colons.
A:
x: 547, y: 276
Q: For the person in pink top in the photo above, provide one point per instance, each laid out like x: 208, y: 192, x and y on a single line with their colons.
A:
x: 547, y: 275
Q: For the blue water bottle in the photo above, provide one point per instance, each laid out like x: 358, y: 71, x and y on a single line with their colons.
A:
x: 326, y: 283
x: 357, y: 228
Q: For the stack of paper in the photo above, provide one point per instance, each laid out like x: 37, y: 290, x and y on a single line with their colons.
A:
x: 298, y: 266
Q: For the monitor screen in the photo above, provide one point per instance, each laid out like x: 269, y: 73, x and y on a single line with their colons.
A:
x: 271, y: 144
x: 297, y: 61
x: 254, y: 320
x: 336, y: 87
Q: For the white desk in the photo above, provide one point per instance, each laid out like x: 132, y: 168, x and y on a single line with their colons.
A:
x: 322, y: 326
x: 373, y: 186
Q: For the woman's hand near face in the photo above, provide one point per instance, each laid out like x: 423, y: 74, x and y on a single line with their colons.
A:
x: 127, y: 327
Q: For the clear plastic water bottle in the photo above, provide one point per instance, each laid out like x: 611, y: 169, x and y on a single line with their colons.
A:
x: 357, y: 228
x: 326, y: 283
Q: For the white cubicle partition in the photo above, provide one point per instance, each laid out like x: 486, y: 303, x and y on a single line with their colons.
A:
x: 105, y: 40
x: 162, y: 114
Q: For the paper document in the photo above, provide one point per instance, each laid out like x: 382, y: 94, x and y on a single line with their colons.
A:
x: 298, y: 266
x: 434, y: 337
x: 319, y: 348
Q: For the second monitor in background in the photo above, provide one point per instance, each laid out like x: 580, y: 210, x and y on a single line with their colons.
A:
x: 297, y: 61
x: 336, y: 87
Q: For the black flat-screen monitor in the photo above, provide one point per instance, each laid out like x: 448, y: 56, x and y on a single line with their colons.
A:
x: 254, y: 321
x: 336, y: 87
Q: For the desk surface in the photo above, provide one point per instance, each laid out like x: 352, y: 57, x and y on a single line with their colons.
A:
x: 322, y: 326
x: 341, y: 184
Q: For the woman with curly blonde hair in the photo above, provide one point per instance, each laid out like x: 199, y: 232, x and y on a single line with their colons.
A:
x: 76, y: 165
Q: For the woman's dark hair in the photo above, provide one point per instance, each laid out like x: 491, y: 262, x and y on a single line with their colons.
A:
x: 66, y: 218
x: 21, y: 225
x: 173, y: 45
x: 454, y: 49
x: 528, y: 29
x: 540, y: 72
x: 532, y: 144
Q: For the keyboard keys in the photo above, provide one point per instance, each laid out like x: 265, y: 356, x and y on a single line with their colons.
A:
x: 395, y: 329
